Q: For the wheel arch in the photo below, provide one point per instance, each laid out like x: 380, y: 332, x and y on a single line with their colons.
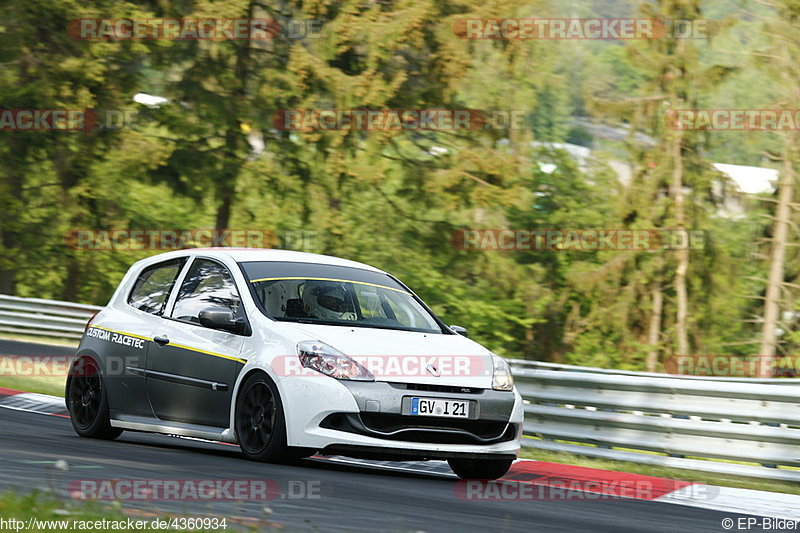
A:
x: 84, y: 354
x: 244, y: 375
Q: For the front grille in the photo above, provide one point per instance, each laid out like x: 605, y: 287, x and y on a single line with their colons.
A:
x: 422, y: 429
x: 437, y: 388
x: 485, y: 429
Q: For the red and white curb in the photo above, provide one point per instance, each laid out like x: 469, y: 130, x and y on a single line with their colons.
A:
x: 641, y: 487
x: 741, y: 501
x: 32, y: 402
x: 534, y: 480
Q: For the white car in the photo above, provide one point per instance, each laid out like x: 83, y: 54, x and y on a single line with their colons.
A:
x: 288, y: 354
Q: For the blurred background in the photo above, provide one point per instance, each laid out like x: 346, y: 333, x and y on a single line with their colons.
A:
x: 193, y: 145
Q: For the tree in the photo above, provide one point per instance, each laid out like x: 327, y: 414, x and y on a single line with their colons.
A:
x: 672, y: 180
x: 779, y: 61
x: 42, y: 191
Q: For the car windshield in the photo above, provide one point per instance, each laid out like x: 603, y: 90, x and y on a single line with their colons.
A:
x: 336, y: 295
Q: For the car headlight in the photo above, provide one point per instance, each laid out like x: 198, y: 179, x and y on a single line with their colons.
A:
x: 501, y: 377
x: 327, y: 360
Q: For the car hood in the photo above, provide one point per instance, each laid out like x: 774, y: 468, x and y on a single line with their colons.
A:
x: 404, y: 356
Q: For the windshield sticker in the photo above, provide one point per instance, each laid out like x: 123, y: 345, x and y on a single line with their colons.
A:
x: 330, y: 279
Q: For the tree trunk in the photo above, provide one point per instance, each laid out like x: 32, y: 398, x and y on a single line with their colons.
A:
x: 234, y: 138
x: 777, y: 256
x: 8, y: 275
x: 226, y: 187
x: 654, y: 333
x: 7, y: 281
x: 683, y: 250
x: 11, y: 204
x: 72, y: 283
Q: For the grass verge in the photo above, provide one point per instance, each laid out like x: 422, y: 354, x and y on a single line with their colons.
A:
x: 40, y: 374
x: 19, y: 373
x: 709, y: 478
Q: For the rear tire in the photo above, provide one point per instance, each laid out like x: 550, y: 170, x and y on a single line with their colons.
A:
x: 260, y: 423
x: 480, y: 468
x: 87, y: 402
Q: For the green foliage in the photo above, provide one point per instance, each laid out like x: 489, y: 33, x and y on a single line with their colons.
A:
x: 394, y: 198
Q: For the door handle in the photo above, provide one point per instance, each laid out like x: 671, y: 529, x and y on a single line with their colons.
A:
x: 161, y: 339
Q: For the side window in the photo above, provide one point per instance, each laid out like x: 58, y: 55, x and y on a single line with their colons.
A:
x: 207, y: 284
x: 152, y: 287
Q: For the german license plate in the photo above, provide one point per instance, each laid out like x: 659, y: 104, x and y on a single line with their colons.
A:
x: 440, y: 407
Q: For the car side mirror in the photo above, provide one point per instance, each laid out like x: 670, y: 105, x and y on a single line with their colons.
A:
x: 221, y: 318
x: 460, y: 330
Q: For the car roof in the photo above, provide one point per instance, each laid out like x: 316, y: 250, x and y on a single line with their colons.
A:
x: 241, y: 255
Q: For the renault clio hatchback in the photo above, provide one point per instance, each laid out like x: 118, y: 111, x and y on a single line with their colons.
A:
x: 289, y: 354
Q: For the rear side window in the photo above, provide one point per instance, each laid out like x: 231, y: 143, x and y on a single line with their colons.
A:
x: 152, y: 287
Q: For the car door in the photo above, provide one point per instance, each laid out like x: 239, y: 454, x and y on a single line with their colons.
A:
x: 191, y: 369
x: 122, y: 335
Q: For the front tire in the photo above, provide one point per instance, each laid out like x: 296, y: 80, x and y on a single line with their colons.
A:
x: 480, y: 468
x: 260, y: 423
x: 87, y: 402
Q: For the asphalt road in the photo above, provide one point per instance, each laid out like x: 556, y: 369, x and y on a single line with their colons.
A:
x: 345, y: 497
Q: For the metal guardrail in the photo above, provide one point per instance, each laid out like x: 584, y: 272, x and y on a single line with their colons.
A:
x: 44, y: 318
x: 664, y: 420
x: 521, y: 363
x: 645, y: 417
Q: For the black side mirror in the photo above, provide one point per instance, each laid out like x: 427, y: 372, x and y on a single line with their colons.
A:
x: 460, y: 330
x: 221, y: 318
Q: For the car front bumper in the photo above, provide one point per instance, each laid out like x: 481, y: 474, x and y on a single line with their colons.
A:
x: 372, y: 419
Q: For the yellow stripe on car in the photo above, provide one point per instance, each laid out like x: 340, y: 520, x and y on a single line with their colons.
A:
x: 181, y: 346
x: 121, y: 332
x: 198, y: 350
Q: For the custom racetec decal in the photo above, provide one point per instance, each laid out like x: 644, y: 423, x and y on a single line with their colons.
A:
x: 138, y: 341
x: 117, y: 337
